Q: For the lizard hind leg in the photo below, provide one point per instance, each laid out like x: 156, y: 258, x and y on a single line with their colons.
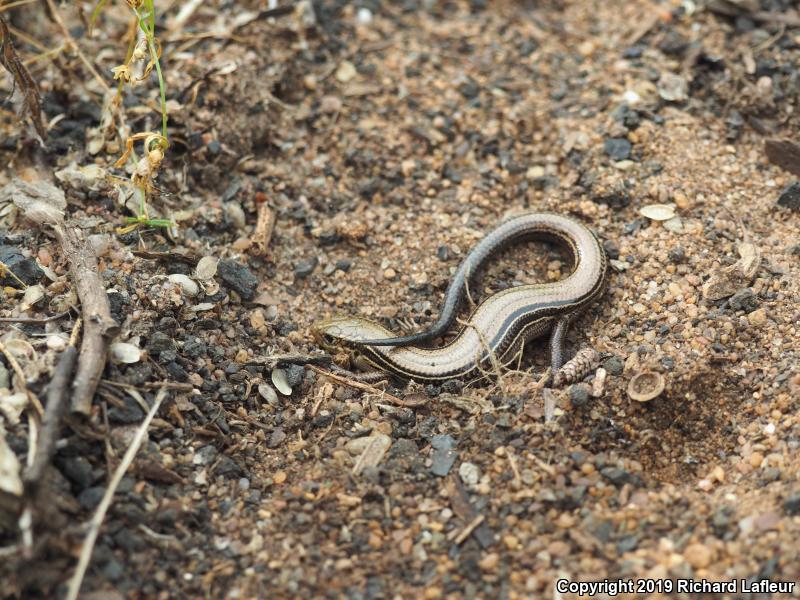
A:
x: 558, y: 337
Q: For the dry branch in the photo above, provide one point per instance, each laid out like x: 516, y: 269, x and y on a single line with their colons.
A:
x: 56, y: 405
x: 98, y: 325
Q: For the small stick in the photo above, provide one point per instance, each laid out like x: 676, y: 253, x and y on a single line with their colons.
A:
x: 512, y: 461
x: 105, y: 503
x: 34, y: 320
x: 364, y: 387
x: 51, y: 423
x: 467, y: 531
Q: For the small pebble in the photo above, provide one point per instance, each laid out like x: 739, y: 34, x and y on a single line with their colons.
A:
x: 698, y: 555
x: 470, y: 473
x: 304, y: 268
x: 617, y: 148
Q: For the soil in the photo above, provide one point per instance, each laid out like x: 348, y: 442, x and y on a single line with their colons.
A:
x: 385, y: 139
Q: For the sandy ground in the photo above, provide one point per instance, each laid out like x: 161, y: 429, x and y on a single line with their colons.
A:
x: 387, y: 139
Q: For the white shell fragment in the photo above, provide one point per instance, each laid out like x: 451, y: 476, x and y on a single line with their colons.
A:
x: 123, y: 352
x: 267, y: 393
x: 186, y: 283
x: 12, y: 405
x: 206, y: 267
x: 32, y: 295
x: 202, y: 307
x: 281, y: 382
x: 346, y: 71
x: 658, y: 212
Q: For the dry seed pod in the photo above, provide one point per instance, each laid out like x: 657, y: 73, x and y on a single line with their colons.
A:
x: 645, y: 386
x: 576, y: 369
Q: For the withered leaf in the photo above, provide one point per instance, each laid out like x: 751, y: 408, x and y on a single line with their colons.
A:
x: 22, y: 78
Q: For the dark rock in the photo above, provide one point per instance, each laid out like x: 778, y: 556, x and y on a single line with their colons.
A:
x: 784, y: 153
x: 443, y: 253
x: 617, y: 148
x: 79, y: 471
x: 627, y: 544
x: 612, y: 249
x: 452, y: 386
x: 633, y: 52
x: 677, y: 254
x: 159, y: 342
x: 626, y: 115
x: 617, y: 476
x: 470, y: 89
x: 745, y: 300
x: 168, y: 356
x: 614, y: 365
x: 238, y: 278
x: 194, y: 347
x: 228, y: 468
x: 602, y: 531
x: 205, y: 455
x: 792, y: 504
x: 733, y: 125
x: 323, y: 419
x: 790, y: 196
x: 344, y: 264
x: 295, y: 375
x: 126, y: 539
x: 24, y: 268
x: 176, y: 371
x: 90, y: 497
x: 673, y: 43
x: 579, y: 394
x: 404, y: 448
x: 113, y: 570
x: 614, y: 199
x: 304, y: 268
x: 214, y: 148
x: 127, y: 414
x: 721, y: 520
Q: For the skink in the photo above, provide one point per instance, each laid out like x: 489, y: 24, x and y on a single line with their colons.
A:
x: 501, y: 325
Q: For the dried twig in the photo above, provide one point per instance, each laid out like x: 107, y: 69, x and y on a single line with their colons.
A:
x: 34, y: 320
x: 51, y: 424
x: 776, y: 17
x: 512, y: 462
x: 283, y: 360
x: 99, y: 327
x: 467, y: 531
x: 105, y: 503
x: 364, y: 387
